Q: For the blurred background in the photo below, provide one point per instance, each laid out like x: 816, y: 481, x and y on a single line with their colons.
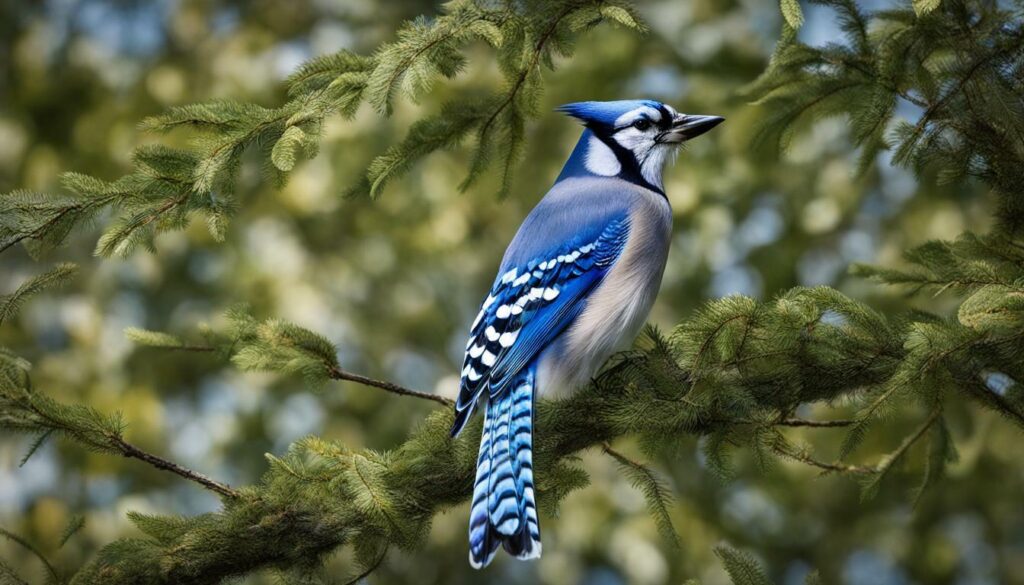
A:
x: 396, y: 282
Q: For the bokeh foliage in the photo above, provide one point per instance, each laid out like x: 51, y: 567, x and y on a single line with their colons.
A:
x: 735, y: 373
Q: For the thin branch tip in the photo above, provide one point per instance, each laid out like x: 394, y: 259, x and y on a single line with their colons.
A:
x: 336, y: 373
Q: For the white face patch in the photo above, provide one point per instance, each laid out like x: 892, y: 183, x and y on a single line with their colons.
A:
x: 635, y: 140
x: 650, y: 155
x: 600, y: 159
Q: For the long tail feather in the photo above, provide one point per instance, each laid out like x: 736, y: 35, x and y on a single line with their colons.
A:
x: 504, y: 510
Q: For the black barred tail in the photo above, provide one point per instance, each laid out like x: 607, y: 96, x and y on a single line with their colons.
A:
x: 504, y: 510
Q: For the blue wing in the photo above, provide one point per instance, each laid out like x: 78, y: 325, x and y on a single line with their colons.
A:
x: 529, y: 305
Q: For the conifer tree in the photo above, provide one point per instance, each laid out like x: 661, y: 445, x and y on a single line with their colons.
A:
x: 735, y: 372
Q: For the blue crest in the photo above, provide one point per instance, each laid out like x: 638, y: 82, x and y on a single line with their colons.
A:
x: 605, y: 112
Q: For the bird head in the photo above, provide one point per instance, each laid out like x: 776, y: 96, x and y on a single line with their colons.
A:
x: 636, y: 135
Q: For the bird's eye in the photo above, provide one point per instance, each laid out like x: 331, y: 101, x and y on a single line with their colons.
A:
x: 642, y: 124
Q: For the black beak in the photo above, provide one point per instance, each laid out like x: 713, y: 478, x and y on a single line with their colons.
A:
x: 687, y: 127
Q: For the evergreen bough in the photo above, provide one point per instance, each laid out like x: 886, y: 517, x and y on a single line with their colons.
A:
x: 736, y: 372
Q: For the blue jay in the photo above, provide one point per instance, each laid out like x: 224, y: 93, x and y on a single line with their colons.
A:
x: 576, y: 283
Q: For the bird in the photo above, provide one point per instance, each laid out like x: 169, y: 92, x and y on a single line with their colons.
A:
x: 575, y: 285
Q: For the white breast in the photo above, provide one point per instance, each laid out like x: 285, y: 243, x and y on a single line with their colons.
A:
x: 617, y: 309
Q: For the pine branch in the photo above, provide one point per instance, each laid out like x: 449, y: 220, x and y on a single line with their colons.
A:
x: 12, y: 303
x: 8, y: 576
x: 743, y: 569
x: 52, y: 576
x: 655, y: 493
x: 790, y: 422
x: 322, y: 495
x: 734, y: 365
x: 275, y: 346
x: 49, y: 225
x: 800, y: 422
x: 30, y: 412
x: 339, y: 374
x: 133, y: 452
x: 870, y: 486
x: 167, y: 188
x: 76, y: 523
x: 803, y: 457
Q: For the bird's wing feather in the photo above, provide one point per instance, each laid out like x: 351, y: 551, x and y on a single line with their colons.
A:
x: 528, y: 306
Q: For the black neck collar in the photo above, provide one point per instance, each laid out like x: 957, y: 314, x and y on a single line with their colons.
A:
x: 631, y: 170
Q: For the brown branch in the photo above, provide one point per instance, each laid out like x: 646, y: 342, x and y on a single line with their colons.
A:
x: 786, y: 422
x: 802, y: 422
x: 908, y: 442
x: 114, y: 442
x: 337, y: 373
x: 192, y: 348
x: 132, y: 452
x: 607, y: 448
x: 911, y: 439
x: 802, y: 457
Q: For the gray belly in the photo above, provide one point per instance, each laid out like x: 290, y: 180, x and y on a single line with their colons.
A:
x: 617, y: 309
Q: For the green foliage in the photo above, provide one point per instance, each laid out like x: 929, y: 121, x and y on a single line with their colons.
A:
x: 806, y: 345
x: 13, y: 368
x: 76, y: 523
x: 42, y: 220
x: 526, y: 42
x: 27, y: 411
x: 743, y: 569
x: 957, y: 61
x: 168, y: 187
x: 792, y: 12
x: 655, y: 492
x: 427, y: 49
x: 257, y: 346
x: 983, y: 342
x: 964, y: 265
x: 274, y: 345
x: 24, y: 410
x: 445, y: 130
x: 8, y: 576
x: 735, y: 371
x: 154, y: 338
x: 12, y: 303
x: 923, y: 7
x: 52, y: 578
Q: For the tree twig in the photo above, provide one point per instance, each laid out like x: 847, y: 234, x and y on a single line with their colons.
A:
x: 787, y: 422
x: 115, y: 442
x: 803, y: 422
x: 607, y: 448
x: 912, y: 438
x: 337, y: 373
x: 803, y: 457
x: 132, y: 452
